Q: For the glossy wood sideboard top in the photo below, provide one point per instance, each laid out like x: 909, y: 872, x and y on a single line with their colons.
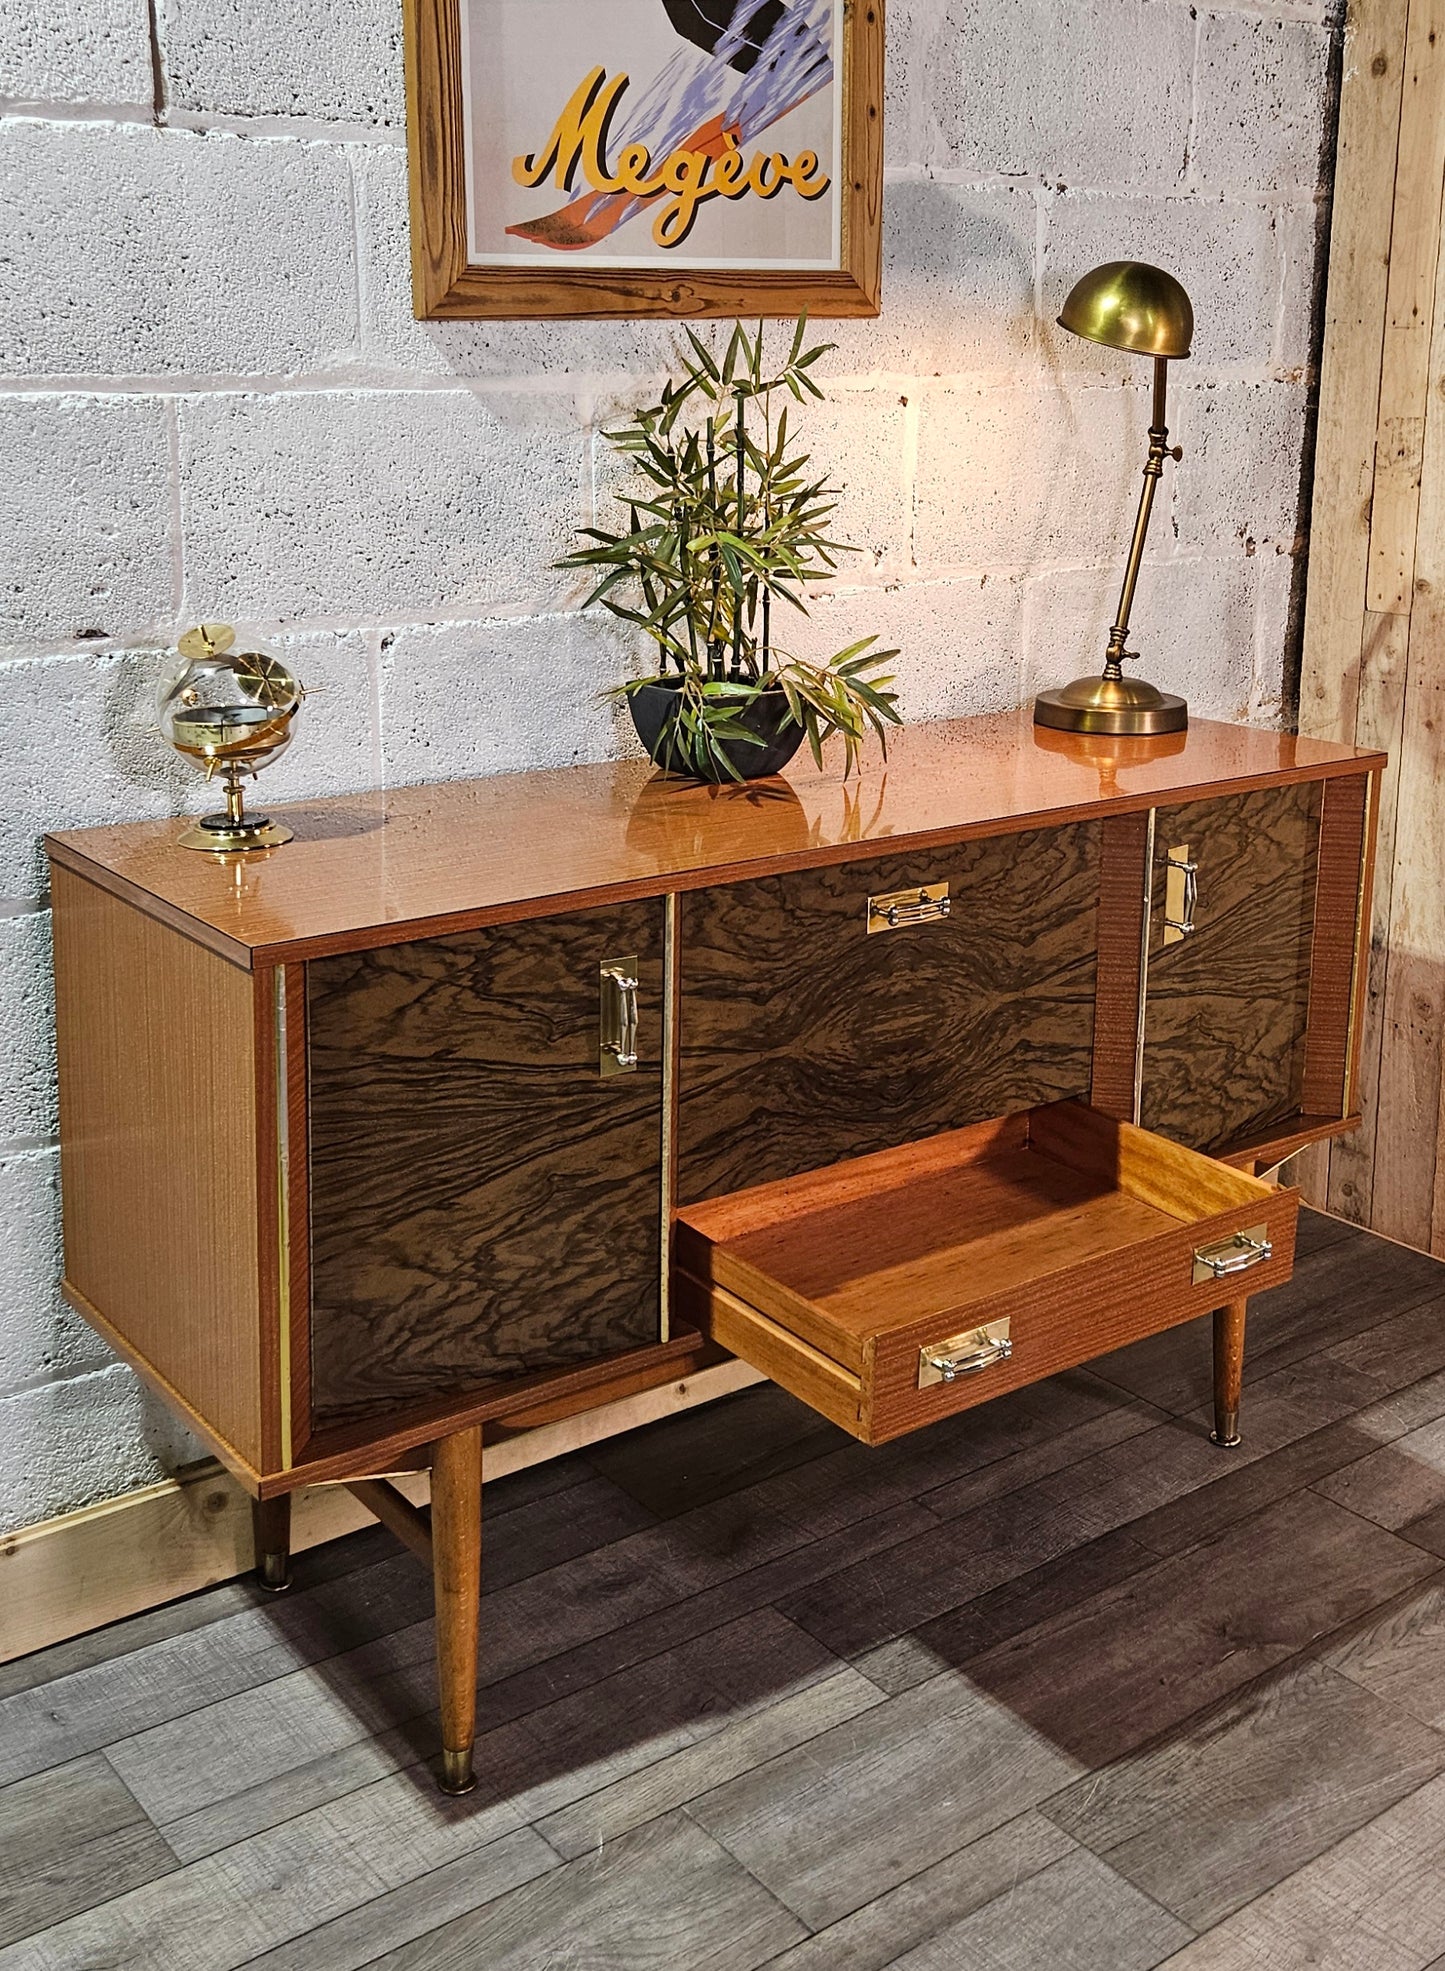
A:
x: 377, y: 868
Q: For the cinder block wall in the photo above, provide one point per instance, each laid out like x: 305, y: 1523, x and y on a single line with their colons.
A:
x: 214, y: 402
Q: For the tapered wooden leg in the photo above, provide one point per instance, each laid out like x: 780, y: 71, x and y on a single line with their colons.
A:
x: 1228, y: 1371
x: 271, y: 1524
x: 456, y: 1531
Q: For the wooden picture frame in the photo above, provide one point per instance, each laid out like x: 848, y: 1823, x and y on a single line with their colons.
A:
x: 448, y: 286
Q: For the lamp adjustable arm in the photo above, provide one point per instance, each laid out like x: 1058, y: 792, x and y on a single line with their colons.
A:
x: 1159, y: 450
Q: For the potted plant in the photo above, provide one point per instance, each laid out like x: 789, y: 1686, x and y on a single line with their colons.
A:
x: 726, y: 536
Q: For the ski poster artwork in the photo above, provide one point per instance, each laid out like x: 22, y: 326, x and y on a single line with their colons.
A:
x: 691, y: 133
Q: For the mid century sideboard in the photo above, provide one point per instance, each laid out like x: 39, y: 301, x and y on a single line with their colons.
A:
x: 486, y: 1103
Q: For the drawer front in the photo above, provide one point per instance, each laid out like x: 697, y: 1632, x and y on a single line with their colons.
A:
x: 1227, y: 1005
x: 1088, y: 1312
x: 485, y: 1200
x: 806, y: 1038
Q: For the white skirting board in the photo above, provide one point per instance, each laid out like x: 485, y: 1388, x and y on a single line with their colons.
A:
x: 66, y: 1576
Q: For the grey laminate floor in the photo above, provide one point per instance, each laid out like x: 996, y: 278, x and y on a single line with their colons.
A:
x: 1054, y: 1685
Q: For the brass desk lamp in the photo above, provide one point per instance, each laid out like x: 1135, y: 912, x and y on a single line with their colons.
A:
x: 1127, y: 304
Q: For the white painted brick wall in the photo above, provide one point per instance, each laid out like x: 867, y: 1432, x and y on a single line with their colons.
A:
x: 214, y: 400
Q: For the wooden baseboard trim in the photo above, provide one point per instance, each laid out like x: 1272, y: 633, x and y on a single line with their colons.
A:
x: 63, y: 1577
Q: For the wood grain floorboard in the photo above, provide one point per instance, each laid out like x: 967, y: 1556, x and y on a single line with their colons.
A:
x: 989, y: 1540
x: 1056, y: 1683
x: 1398, y: 1651
x: 71, y: 1839
x: 1072, y: 1916
x: 976, y: 1625
x: 455, y: 1888
x: 740, y: 1745
x: 852, y: 1814
x: 663, y: 1898
x: 214, y: 1915
x: 1244, y: 1794
x: 1375, y: 1902
x: 1399, y: 1482
x: 275, y: 1780
x: 873, y: 1937
x: 1138, y: 1659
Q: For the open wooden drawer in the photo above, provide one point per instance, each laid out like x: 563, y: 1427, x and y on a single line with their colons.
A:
x: 895, y: 1289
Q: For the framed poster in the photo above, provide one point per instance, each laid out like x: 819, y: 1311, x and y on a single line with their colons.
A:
x: 645, y: 157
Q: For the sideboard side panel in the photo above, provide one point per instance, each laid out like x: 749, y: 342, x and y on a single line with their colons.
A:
x: 484, y: 1204
x: 1341, y: 927
x: 805, y: 1041
x: 158, y: 1123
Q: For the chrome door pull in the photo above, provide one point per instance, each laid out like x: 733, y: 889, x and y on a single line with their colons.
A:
x: 1181, y: 894
x: 617, y: 1017
x: 964, y: 1355
x: 1236, y: 1254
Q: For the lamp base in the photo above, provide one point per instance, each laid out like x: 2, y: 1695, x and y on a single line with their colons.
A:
x: 218, y: 833
x: 1111, y: 705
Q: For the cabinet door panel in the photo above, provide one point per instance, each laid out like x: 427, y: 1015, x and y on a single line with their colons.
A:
x: 805, y: 1040
x: 483, y: 1202
x: 1226, y: 1007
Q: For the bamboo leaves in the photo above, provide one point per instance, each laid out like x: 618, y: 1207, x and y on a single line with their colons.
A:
x: 726, y: 520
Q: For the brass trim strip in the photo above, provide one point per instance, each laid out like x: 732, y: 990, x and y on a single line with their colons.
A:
x: 670, y: 954
x: 1144, y: 965
x: 283, y: 1220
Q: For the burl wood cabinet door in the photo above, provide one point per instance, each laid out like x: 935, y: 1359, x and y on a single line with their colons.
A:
x: 804, y: 1040
x: 1226, y: 1006
x: 484, y: 1201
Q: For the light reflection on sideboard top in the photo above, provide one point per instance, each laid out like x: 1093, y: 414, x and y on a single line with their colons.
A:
x: 368, y: 869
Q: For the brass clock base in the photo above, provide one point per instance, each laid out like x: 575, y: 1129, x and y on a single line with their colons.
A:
x: 1115, y: 705
x: 218, y: 833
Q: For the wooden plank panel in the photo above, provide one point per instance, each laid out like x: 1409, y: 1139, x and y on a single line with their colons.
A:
x: 1226, y: 1009
x: 1380, y: 716
x: 806, y: 1041
x: 158, y: 1105
x: 1350, y: 372
x: 1405, y: 356
x: 484, y: 1203
x: 1409, y: 1089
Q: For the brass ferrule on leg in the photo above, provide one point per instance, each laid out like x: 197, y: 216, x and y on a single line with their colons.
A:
x: 1226, y: 1430
x: 273, y: 1573
x: 457, y: 1775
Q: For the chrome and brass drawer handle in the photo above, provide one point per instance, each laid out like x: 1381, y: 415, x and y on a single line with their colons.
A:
x: 617, y: 1017
x: 1181, y: 894
x: 964, y: 1355
x: 900, y: 908
x: 1236, y: 1254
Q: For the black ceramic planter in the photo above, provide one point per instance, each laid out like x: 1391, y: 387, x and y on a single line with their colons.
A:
x: 654, y: 707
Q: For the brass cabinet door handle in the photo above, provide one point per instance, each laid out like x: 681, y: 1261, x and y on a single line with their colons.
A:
x: 964, y: 1355
x: 1181, y: 894
x: 1236, y: 1254
x: 617, y: 1016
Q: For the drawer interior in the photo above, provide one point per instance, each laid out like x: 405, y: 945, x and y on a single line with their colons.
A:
x: 1080, y: 1229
